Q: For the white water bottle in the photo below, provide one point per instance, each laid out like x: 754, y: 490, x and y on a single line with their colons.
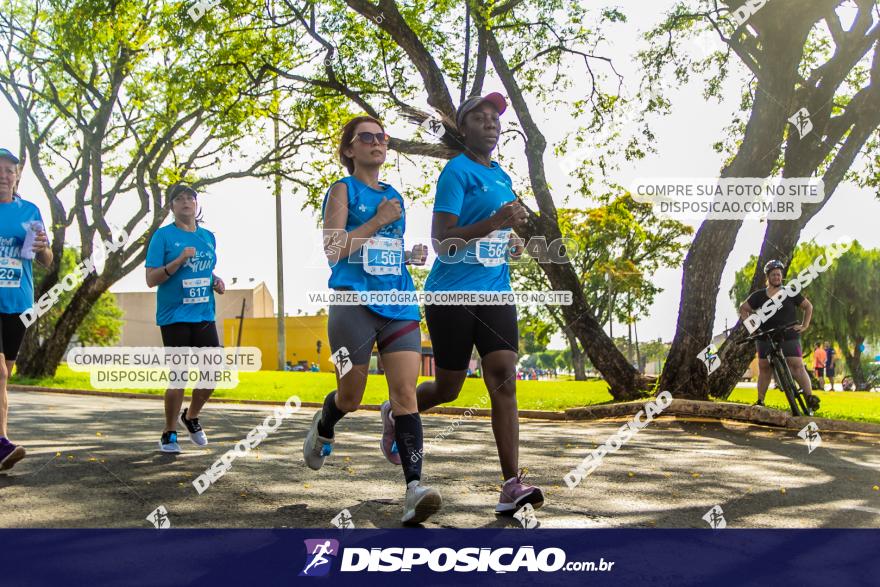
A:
x: 27, y: 248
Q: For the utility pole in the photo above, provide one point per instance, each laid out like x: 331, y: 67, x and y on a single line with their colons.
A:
x: 279, y: 249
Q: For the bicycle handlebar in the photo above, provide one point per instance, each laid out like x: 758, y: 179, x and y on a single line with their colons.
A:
x: 766, y: 333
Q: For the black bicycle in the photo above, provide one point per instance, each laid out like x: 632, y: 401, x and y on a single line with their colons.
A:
x: 801, y: 404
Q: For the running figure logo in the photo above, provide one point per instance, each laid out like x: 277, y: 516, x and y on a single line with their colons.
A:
x: 709, y: 356
x: 334, y: 241
x: 341, y: 358
x: 434, y: 127
x: 526, y: 516
x: 801, y: 121
x: 343, y: 520
x: 317, y: 553
x: 715, y: 518
x: 810, y: 433
x: 159, y: 518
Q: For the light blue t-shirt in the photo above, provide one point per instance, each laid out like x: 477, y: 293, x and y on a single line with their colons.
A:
x: 188, y: 295
x: 385, y: 269
x: 473, y: 192
x: 16, y: 274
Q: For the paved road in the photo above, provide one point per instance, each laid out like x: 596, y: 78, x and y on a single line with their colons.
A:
x: 93, y: 462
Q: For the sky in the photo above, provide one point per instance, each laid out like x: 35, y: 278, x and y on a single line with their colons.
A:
x: 241, y: 213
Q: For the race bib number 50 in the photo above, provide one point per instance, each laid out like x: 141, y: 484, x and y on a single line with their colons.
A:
x: 10, y: 272
x: 383, y: 256
x: 197, y: 290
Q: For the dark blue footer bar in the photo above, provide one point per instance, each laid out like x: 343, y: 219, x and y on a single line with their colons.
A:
x: 439, y: 557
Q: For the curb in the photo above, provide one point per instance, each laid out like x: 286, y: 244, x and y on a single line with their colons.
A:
x: 722, y: 411
x: 679, y: 407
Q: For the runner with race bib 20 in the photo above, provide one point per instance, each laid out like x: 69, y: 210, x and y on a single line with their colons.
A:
x: 22, y: 239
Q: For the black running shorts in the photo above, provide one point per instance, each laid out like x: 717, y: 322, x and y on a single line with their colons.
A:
x: 11, y: 334
x: 456, y: 329
x: 190, y: 334
x: 790, y: 348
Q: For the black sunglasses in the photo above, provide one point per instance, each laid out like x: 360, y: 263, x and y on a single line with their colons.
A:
x: 368, y: 138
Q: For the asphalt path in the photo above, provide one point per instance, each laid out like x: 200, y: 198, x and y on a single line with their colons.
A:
x: 94, y: 462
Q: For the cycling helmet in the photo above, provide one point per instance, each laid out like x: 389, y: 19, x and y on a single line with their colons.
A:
x: 774, y: 264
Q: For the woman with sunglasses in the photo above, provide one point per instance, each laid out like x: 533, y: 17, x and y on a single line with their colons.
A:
x: 180, y: 259
x: 475, y: 203
x: 21, y: 228
x: 364, y: 224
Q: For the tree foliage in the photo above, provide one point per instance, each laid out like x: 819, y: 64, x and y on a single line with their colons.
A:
x: 117, y: 101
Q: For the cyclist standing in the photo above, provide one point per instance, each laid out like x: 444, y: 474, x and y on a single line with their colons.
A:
x: 791, y: 343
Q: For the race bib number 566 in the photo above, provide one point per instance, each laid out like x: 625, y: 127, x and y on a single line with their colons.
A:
x: 492, y: 250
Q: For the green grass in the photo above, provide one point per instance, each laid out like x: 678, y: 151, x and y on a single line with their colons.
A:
x: 312, y: 387
x: 532, y: 395
x: 858, y: 406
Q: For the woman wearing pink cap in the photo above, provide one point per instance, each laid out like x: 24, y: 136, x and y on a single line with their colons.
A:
x: 475, y: 203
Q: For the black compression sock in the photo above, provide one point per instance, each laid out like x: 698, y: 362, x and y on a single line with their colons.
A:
x: 330, y: 415
x: 408, y: 433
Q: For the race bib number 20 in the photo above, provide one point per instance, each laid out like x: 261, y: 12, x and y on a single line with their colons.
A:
x: 197, y: 290
x: 10, y: 272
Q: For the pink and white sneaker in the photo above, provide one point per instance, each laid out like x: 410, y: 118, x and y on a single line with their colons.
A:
x: 388, y: 444
x: 515, y: 494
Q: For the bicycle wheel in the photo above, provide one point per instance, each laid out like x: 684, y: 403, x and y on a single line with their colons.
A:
x: 786, y: 383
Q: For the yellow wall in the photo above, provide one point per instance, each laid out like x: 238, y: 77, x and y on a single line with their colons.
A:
x: 301, y: 334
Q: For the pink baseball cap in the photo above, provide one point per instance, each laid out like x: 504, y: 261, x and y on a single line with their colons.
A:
x: 494, y: 98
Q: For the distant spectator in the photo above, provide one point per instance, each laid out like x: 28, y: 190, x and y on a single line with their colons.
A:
x: 819, y: 358
x: 829, y: 363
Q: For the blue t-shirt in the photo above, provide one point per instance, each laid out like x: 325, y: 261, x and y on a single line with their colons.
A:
x: 473, y: 192
x: 188, y: 295
x: 16, y: 274
x: 385, y: 269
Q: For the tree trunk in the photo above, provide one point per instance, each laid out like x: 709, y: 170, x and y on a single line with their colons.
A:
x: 623, y: 379
x: 42, y: 357
x: 776, y: 66
x: 854, y: 364
x: 684, y: 375
x: 577, y: 355
x: 780, y: 241
x: 638, y: 353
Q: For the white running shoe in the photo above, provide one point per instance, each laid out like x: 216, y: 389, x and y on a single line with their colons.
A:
x: 168, y: 443
x: 421, y: 503
x: 196, y: 434
x: 316, y: 448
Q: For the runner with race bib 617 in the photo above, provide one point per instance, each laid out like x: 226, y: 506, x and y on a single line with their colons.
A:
x: 181, y: 260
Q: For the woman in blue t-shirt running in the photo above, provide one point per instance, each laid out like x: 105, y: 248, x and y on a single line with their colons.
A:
x: 475, y: 204
x: 364, y: 224
x: 181, y: 259
x: 17, y: 217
